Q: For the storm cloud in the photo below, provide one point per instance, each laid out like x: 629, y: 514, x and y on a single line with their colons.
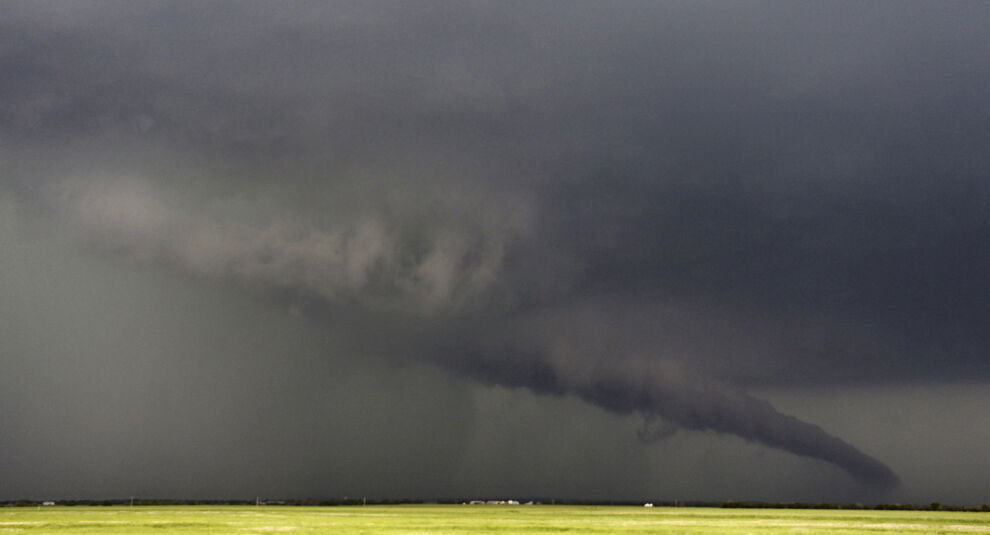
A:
x: 658, y: 209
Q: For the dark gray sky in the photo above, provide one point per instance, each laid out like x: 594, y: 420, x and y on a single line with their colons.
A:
x: 678, y: 250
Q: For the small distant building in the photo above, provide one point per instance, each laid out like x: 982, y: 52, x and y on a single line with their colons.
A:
x: 48, y: 503
x: 647, y: 504
x: 511, y: 502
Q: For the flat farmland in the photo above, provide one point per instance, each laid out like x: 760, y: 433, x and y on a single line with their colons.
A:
x: 479, y: 519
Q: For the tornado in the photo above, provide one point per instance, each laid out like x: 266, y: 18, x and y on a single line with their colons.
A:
x: 694, y: 403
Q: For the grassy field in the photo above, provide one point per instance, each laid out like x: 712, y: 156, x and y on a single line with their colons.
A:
x: 447, y: 519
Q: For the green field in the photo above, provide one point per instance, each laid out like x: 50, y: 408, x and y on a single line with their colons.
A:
x: 423, y: 519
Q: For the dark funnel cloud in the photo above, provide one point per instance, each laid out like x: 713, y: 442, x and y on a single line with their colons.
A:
x: 667, y: 391
x: 702, y: 407
x: 352, y: 223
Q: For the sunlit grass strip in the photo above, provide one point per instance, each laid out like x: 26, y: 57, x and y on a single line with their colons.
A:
x: 477, y: 519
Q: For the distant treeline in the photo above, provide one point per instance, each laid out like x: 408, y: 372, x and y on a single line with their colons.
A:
x: 541, y: 501
x: 144, y: 502
x: 878, y: 507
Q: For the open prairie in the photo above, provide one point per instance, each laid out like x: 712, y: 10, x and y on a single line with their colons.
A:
x: 447, y: 519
